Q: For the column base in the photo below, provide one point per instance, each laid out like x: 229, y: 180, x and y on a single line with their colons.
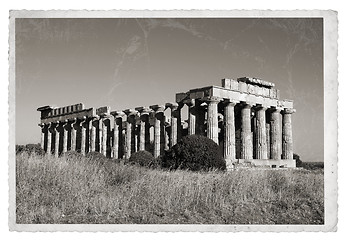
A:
x: 282, y: 163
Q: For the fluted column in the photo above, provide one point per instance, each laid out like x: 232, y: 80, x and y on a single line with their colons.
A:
x: 260, y: 133
x: 191, y: 116
x: 65, y: 135
x: 268, y: 143
x: 100, y: 128
x: 144, y: 127
x: 200, y: 118
x: 105, y: 124
x: 246, y: 132
x: 49, y: 139
x: 130, y: 132
x: 92, y: 128
x: 83, y: 135
x: 117, y: 134
x: 287, y: 133
x: 175, y: 119
x: 229, y: 135
x: 167, y: 130
x: 158, y: 133
x: 212, y: 119
x: 73, y: 134
x: 56, y: 147
x: 275, y: 135
x: 42, y: 135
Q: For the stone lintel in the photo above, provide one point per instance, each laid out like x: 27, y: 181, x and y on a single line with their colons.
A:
x: 50, y: 111
x: 89, y: 113
x: 44, y: 108
x: 256, y: 81
x: 102, y: 111
x: 181, y: 96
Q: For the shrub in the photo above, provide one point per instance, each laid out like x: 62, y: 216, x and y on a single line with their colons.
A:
x: 297, y: 160
x: 96, y: 158
x: 30, y: 149
x: 194, y: 153
x: 142, y: 158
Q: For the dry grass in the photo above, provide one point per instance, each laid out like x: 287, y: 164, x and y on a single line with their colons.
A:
x: 72, y: 189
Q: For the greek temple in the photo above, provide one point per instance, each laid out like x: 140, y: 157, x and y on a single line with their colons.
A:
x: 245, y: 117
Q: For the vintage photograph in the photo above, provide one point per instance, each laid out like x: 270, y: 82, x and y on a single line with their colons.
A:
x: 170, y: 121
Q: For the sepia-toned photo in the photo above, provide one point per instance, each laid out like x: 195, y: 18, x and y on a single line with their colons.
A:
x: 173, y: 121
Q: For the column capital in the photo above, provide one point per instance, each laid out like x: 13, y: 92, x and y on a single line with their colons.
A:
x: 189, y: 102
x: 260, y: 107
x: 247, y: 105
x: 157, y: 108
x: 211, y: 99
x: 288, y: 111
x: 130, y: 112
x: 230, y: 102
x: 172, y: 106
x: 143, y: 110
x: 274, y: 110
x: 118, y: 114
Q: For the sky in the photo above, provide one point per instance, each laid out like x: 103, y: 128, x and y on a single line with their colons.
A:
x: 125, y: 63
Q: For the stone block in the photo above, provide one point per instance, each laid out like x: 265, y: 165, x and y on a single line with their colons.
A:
x: 258, y: 90
x: 103, y: 111
x: 181, y: 96
x: 226, y: 83
x: 234, y: 85
x: 242, y: 87
x: 250, y: 89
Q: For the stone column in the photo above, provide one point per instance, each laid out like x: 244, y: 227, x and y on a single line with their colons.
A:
x: 65, y: 135
x: 49, y: 139
x: 117, y: 134
x: 130, y: 132
x: 100, y: 133
x: 287, y: 133
x: 175, y: 119
x: 56, y: 147
x: 260, y: 133
x: 167, y: 130
x: 268, y: 139
x: 246, y: 132
x: 229, y: 135
x: 83, y: 136
x: 104, y: 136
x: 158, y: 133
x: 212, y: 119
x: 73, y: 134
x: 191, y: 116
x: 92, y: 134
x: 275, y: 135
x: 42, y: 135
x: 144, y: 127
x: 200, y: 118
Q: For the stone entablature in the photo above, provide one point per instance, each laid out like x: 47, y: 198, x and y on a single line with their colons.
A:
x: 244, y: 116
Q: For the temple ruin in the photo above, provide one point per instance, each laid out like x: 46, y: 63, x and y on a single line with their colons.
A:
x: 244, y: 116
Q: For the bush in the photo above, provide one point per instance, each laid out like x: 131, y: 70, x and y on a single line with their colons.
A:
x: 194, y: 153
x: 96, y: 158
x: 142, y: 158
x: 297, y: 160
x: 30, y: 149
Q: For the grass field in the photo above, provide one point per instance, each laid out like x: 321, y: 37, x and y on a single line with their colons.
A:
x: 76, y: 189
